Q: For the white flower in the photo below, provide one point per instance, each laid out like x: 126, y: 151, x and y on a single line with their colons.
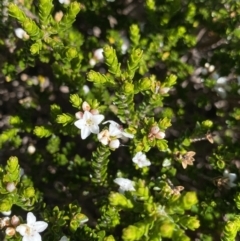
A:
x: 98, y: 54
x: 31, y: 230
x: 110, y: 137
x: 20, y: 33
x: 89, y: 124
x: 86, y: 89
x: 116, y: 130
x: 105, y: 138
x: 124, y: 184
x: 231, y: 178
x: 141, y: 160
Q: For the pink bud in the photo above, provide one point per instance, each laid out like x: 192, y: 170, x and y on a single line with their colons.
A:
x: 155, y: 130
x: 15, y: 221
x: 10, y: 231
x: 94, y: 112
x: 160, y: 135
x: 114, y: 144
x: 10, y: 186
x: 79, y: 115
x: 86, y: 106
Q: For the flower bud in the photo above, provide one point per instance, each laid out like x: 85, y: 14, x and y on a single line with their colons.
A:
x: 15, y: 221
x: 114, y: 144
x: 86, y: 106
x: 164, y: 90
x: 103, y: 137
x: 94, y: 112
x: 58, y: 16
x: 10, y: 231
x: 10, y: 187
x: 160, y: 135
x: 4, y: 222
x: 79, y: 115
x: 154, y: 130
x: 31, y: 149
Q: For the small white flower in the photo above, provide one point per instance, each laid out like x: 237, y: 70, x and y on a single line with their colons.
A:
x: 86, y: 89
x: 89, y: 124
x: 31, y: 230
x: 92, y: 62
x: 31, y: 149
x: 20, y: 33
x: 105, y: 138
x: 116, y: 130
x: 231, y: 178
x: 124, y: 184
x: 110, y: 137
x: 63, y: 238
x: 141, y: 160
x: 98, y: 54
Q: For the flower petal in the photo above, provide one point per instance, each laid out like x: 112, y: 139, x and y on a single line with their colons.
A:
x: 128, y: 135
x: 31, y: 219
x: 87, y: 115
x: 125, y: 184
x: 114, y: 144
x: 22, y: 229
x: 28, y: 238
x: 40, y: 226
x: 35, y: 237
x: 98, y: 119
x: 80, y: 124
x: 94, y: 129
x: 111, y: 122
x: 85, y: 132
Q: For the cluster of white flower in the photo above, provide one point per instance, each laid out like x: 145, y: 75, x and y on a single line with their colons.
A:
x: 29, y: 231
x: 110, y: 136
x: 88, y: 122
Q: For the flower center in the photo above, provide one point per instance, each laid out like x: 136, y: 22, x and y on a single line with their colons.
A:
x: 89, y: 122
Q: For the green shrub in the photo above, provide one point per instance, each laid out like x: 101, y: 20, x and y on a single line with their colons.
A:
x: 119, y: 120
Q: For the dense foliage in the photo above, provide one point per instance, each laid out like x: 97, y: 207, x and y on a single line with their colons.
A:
x: 119, y: 120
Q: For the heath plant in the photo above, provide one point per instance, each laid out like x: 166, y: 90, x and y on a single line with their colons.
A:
x: 119, y: 120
